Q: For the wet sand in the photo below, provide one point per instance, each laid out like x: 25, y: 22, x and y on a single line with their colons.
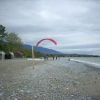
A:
x: 49, y: 80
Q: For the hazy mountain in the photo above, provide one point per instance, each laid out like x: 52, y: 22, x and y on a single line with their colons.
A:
x: 42, y: 49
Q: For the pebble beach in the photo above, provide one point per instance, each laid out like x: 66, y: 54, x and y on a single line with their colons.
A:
x: 49, y: 80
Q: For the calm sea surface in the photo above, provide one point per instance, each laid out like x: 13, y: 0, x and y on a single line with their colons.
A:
x: 89, y: 60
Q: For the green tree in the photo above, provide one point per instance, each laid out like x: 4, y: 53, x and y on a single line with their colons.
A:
x: 38, y: 54
x: 27, y: 53
x: 14, y: 41
x: 2, y: 33
x: 2, y: 37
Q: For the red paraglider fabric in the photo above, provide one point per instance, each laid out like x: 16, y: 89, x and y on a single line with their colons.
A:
x: 46, y: 39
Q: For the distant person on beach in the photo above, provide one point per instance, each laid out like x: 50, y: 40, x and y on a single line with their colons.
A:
x: 44, y: 58
x: 47, y: 57
x: 69, y: 59
x: 53, y: 57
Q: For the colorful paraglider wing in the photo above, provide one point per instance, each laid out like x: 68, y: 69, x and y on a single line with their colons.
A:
x: 47, y: 39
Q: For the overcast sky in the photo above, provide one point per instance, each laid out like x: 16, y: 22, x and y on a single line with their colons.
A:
x: 74, y: 24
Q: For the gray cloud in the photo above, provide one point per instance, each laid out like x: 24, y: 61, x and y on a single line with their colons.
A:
x: 75, y: 24
x: 30, y: 28
x: 88, y: 46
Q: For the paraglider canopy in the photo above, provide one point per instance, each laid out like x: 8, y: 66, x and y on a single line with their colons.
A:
x: 46, y: 39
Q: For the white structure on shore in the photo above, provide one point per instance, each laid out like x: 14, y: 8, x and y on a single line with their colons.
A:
x: 12, y: 55
x: 2, y: 55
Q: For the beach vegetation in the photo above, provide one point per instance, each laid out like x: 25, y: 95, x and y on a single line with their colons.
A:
x: 14, y: 41
x: 2, y: 37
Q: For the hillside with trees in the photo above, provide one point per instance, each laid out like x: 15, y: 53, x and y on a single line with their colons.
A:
x: 11, y: 42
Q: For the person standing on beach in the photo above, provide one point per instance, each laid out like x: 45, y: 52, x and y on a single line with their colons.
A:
x: 53, y: 57
x: 44, y: 58
x: 47, y: 57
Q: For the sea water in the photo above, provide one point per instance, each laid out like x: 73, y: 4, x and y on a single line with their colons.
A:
x: 95, y: 61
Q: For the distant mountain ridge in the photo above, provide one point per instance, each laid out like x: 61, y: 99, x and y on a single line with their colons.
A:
x: 42, y: 49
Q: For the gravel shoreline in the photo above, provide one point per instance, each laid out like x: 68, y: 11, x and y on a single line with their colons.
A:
x: 49, y: 80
